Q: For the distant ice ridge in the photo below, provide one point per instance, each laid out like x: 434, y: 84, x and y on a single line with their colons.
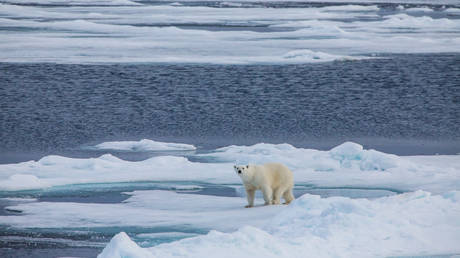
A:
x: 410, y: 224
x: 143, y: 145
x: 348, y: 164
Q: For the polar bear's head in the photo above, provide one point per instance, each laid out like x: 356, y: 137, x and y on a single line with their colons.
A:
x: 245, y: 172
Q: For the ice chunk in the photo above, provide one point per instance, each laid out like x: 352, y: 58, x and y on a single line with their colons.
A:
x: 143, y: 145
x: 347, y: 150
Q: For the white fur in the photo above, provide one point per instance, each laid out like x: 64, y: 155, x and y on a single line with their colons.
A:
x: 273, y: 179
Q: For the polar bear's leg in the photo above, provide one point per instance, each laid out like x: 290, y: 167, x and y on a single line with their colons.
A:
x: 288, y: 196
x: 250, y: 196
x: 277, y: 195
x: 268, y: 194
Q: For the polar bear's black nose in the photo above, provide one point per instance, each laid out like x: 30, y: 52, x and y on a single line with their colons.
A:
x: 239, y: 171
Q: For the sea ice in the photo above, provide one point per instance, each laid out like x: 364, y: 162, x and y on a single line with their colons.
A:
x: 194, y: 34
x: 348, y: 165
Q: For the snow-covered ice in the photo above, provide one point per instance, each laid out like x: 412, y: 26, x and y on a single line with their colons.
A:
x: 415, y: 223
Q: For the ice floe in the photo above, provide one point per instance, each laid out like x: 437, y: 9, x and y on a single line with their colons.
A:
x: 411, y: 224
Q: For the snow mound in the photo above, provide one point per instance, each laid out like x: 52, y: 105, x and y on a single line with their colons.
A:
x: 411, y: 224
x: 143, y: 145
x: 22, y: 182
x: 121, y: 246
x: 351, y: 154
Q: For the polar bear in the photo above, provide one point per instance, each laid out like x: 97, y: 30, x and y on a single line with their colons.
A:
x: 273, y: 179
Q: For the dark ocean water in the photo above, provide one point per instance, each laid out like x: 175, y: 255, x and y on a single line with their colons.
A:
x: 404, y: 104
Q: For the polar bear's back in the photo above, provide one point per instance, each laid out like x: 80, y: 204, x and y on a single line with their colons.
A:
x: 279, y: 174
